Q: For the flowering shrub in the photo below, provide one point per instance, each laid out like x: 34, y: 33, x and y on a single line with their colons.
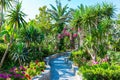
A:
x: 14, y: 73
x: 34, y: 69
x: 66, y: 33
x: 75, y: 35
x: 24, y: 72
x: 4, y: 76
x: 94, y: 62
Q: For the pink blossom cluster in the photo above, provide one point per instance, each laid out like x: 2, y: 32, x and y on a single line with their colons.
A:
x: 66, y: 33
x: 94, y: 62
x: 60, y: 36
x: 104, y: 59
x: 75, y: 35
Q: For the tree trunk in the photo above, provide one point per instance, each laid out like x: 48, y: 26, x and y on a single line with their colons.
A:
x: 19, y: 61
x: 2, y: 15
x: 78, y: 38
x: 61, y: 44
x: 6, y: 51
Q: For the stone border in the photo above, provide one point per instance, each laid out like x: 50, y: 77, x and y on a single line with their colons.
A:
x: 46, y: 74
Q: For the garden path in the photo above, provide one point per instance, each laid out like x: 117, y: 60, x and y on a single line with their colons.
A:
x: 60, y: 70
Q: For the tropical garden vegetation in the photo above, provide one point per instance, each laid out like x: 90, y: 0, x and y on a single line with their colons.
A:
x: 90, y: 32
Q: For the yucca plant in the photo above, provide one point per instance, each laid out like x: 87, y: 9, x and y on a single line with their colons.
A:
x: 15, y: 21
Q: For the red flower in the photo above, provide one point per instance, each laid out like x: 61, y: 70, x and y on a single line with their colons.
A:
x: 36, y: 61
x: 42, y: 70
x: 28, y: 76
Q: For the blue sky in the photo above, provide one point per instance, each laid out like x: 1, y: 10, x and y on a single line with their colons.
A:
x: 30, y: 7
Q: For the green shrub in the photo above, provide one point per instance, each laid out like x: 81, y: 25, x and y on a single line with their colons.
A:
x: 79, y: 57
x: 114, y: 57
x: 102, y: 71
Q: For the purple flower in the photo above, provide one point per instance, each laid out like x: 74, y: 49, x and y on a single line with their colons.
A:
x: 18, y: 76
x: 5, y: 75
x: 9, y: 75
x: 1, y: 75
x: 22, y: 68
x: 23, y: 72
x: 13, y: 69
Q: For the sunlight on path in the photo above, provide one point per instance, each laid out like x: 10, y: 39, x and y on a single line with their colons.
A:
x: 61, y: 70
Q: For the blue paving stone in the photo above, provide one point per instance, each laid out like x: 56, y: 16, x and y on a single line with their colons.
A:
x: 60, y: 70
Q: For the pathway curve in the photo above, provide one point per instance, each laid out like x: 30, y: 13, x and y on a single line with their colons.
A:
x: 60, y: 70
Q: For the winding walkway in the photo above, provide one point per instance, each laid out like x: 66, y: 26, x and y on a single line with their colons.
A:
x: 60, y: 70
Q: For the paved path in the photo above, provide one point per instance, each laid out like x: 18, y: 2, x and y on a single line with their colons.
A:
x: 60, y: 70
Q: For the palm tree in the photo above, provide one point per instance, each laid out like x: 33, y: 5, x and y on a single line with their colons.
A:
x: 96, y: 22
x: 77, y: 20
x: 15, y: 20
x: 60, y: 16
x: 5, y: 4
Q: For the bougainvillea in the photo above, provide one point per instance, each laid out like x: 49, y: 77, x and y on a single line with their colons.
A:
x: 24, y: 72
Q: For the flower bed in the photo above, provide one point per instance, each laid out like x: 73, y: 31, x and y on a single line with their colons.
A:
x: 24, y: 72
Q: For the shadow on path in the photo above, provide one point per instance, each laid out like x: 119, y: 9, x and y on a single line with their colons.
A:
x: 60, y: 70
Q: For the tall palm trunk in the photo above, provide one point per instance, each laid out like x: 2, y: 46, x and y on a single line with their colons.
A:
x: 8, y: 47
x: 6, y: 51
x: 2, y: 15
x: 78, y: 38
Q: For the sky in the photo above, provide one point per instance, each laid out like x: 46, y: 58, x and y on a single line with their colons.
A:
x: 31, y: 7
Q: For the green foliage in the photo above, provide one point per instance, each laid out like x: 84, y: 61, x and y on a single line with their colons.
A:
x: 2, y: 49
x: 79, y: 57
x: 35, y: 68
x: 16, y: 17
x: 31, y: 34
x: 60, y: 16
x: 114, y: 57
x: 96, y: 24
x: 102, y: 71
x: 18, y: 55
x: 43, y: 20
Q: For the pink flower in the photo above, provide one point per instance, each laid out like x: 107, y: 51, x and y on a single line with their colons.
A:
x: 75, y: 35
x: 94, y: 62
x: 72, y: 28
x: 60, y: 36
x: 104, y: 60
x: 66, y: 33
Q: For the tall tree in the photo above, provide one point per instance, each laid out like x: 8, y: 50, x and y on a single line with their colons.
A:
x: 15, y: 20
x: 5, y: 4
x: 96, y: 22
x: 61, y: 16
